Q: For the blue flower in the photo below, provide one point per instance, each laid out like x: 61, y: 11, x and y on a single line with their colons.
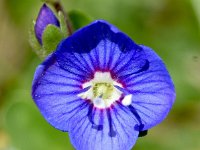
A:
x: 103, y: 88
x: 45, y: 17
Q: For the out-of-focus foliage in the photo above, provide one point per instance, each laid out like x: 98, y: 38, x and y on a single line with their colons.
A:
x: 170, y: 27
x: 78, y: 19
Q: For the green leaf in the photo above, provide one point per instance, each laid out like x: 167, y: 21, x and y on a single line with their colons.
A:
x: 78, y: 19
x: 51, y: 37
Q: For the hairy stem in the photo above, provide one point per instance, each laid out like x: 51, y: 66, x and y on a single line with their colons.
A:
x: 58, y: 7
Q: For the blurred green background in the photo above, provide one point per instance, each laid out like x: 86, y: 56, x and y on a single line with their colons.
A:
x: 170, y: 27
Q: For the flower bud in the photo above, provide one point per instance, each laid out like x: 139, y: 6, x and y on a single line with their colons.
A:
x: 45, y: 17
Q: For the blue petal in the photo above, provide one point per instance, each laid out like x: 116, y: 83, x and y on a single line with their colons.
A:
x: 101, y: 47
x: 117, y: 131
x: 153, y: 91
x: 45, y: 17
x: 55, y: 93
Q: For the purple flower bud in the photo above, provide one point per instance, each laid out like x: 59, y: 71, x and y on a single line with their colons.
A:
x: 45, y: 17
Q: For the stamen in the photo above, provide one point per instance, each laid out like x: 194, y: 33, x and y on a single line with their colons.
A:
x: 101, y: 90
x: 124, y: 91
x: 127, y: 100
x: 84, y: 90
x: 99, y: 102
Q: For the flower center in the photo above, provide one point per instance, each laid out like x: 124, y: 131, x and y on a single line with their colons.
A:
x: 101, y: 90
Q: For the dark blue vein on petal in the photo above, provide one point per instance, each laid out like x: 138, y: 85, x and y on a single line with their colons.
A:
x: 115, y: 134
x: 148, y: 116
x: 110, y: 55
x: 123, y: 108
x: 122, y: 124
x: 72, y: 65
x: 99, y: 118
x: 120, y: 139
x: 82, y: 62
x: 105, y: 50
x: 152, y: 111
x: 75, y: 110
x: 114, y: 57
x: 87, y: 64
x: 96, y: 54
x: 65, y: 77
x: 92, y: 57
x: 38, y: 96
x: 145, y: 82
x: 88, y: 38
x: 47, y: 82
x: 79, y: 124
x: 122, y: 60
x: 68, y: 66
x: 67, y: 103
x: 90, y: 115
x: 158, y: 92
x: 158, y: 104
x: 88, y: 61
x: 141, y: 125
x: 143, y: 68
x: 111, y: 133
x: 143, y: 76
x: 70, y: 70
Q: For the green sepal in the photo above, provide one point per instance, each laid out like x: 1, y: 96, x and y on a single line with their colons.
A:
x: 63, y: 25
x: 51, y: 37
x: 78, y: 19
x: 34, y: 42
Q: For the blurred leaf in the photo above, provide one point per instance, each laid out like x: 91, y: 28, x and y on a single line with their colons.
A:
x: 27, y: 128
x: 78, y: 19
x: 30, y: 131
x: 20, y: 11
x: 50, y: 1
x: 50, y: 38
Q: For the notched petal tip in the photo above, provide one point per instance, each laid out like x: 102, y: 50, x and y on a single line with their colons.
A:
x: 45, y: 17
x: 89, y: 37
x: 104, y: 22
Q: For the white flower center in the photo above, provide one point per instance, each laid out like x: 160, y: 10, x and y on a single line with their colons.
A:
x: 102, y: 91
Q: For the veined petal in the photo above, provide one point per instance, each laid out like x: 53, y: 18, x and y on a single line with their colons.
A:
x: 115, y: 132
x: 153, y: 91
x: 100, y: 46
x: 98, y: 62
x: 55, y: 93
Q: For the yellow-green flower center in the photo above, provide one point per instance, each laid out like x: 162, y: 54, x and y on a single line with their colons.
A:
x: 103, y: 90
